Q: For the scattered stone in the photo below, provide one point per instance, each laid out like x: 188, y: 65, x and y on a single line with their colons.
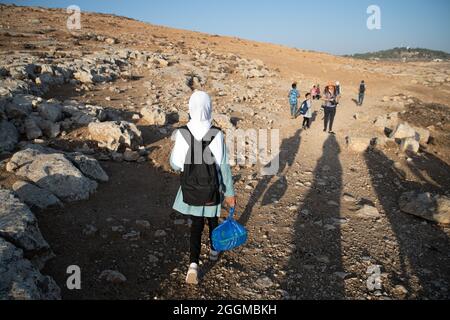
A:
x: 143, y: 223
x: 130, y: 155
x: 400, y: 292
x: 118, y: 229
x: 368, y: 212
x: 112, y: 276
x: 89, y: 230
x: 160, y: 233
x: 348, y: 198
x: 264, y: 282
x: 132, y: 236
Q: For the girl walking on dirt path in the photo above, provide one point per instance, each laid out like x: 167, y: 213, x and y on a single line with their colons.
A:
x: 198, y: 128
x: 331, y: 101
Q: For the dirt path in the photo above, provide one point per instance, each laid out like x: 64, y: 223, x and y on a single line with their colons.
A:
x: 305, y: 240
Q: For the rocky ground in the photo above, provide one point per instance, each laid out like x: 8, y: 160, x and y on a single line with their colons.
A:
x: 86, y: 120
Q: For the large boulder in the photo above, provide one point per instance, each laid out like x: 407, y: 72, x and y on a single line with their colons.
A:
x: 116, y: 135
x: 53, y: 172
x: 426, y: 206
x: 51, y: 111
x: 84, y: 76
x: 154, y: 116
x: 9, y: 136
x: 50, y: 129
x: 410, y: 144
x: 18, y: 225
x: 423, y: 135
x: 21, y: 280
x: 34, y: 196
x: 403, y: 131
x: 20, y: 106
x: 32, y: 129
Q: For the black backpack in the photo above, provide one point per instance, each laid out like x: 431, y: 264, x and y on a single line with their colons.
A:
x: 200, y: 179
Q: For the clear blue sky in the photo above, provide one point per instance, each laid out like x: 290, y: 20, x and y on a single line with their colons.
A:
x: 335, y: 26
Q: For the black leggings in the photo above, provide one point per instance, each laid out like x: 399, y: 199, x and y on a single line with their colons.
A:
x: 197, y: 227
x: 330, y: 113
x: 306, y: 122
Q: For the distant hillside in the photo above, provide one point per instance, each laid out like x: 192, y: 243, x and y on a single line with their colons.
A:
x: 411, y: 54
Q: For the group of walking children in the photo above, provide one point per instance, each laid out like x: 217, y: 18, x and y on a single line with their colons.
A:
x: 330, y: 100
x: 305, y: 108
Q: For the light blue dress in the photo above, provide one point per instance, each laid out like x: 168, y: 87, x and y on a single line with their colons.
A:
x: 226, y: 186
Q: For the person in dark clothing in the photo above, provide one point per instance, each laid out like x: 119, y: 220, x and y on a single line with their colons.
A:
x: 362, y: 92
x: 330, y: 103
x: 306, y: 111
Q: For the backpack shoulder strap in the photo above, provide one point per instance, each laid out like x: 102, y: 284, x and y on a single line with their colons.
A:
x: 211, y: 135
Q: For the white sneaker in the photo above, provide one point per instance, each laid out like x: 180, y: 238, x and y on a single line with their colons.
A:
x: 192, y: 275
x: 214, y: 255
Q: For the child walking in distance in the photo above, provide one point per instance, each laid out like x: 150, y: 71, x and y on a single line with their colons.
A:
x: 306, y: 111
x: 331, y: 101
x: 362, y: 93
x: 293, y: 100
x: 206, y: 180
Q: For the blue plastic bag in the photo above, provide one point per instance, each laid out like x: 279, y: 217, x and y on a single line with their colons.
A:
x: 229, y: 235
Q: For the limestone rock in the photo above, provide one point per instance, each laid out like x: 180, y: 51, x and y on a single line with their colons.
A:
x: 424, y: 205
x: 154, y: 116
x: 223, y: 121
x: 34, y: 196
x: 403, y: 131
x: 53, y: 172
x: 410, y: 144
x: 32, y: 130
x: 18, y: 225
x: 20, y: 106
x: 51, y: 111
x: 19, y: 278
x: 90, y: 167
x: 116, y: 136
x: 9, y: 136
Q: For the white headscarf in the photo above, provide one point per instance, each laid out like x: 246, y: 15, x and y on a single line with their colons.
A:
x: 200, y: 111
